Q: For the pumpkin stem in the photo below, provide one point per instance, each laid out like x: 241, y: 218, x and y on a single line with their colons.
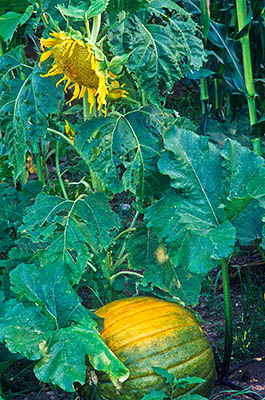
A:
x: 228, y: 320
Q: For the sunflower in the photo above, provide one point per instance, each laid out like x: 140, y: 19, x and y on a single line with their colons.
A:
x: 76, y: 60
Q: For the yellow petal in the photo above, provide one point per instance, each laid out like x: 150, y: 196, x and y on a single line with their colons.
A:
x: 67, y: 47
x: 44, y: 56
x: 90, y: 97
x: 67, y: 83
x: 47, y: 43
x: 82, y: 92
x: 53, y: 71
x: 72, y: 49
x: 58, y: 83
x: 76, y: 92
x: 67, y: 126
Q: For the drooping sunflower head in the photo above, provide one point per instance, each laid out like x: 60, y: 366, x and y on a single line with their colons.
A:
x: 76, y: 61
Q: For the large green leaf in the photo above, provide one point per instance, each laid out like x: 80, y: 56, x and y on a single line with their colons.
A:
x: 123, y: 151
x: 210, y: 189
x: 10, y: 21
x: 13, y: 5
x: 68, y: 229
x: 38, y: 98
x: 29, y: 103
x: 11, y: 60
x: 146, y: 254
x: 160, y: 53
x: 55, y: 329
x: 82, y: 10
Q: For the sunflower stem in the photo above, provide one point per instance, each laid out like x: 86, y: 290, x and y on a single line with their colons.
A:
x: 57, y: 152
x: 87, y: 28
x: 96, y: 183
x: 86, y: 108
x: 96, y: 28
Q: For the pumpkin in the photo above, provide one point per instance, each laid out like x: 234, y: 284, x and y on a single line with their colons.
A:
x: 144, y: 332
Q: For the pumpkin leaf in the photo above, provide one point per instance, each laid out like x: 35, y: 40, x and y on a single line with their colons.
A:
x: 210, y: 188
x: 145, y: 253
x: 248, y: 224
x: 123, y: 151
x: 54, y: 328
x: 69, y: 228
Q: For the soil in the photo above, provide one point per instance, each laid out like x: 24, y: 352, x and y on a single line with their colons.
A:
x: 248, y: 373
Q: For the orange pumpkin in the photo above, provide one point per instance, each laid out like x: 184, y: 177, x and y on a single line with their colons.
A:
x: 144, y: 332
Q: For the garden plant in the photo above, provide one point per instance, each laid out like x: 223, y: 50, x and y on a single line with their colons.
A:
x: 109, y: 187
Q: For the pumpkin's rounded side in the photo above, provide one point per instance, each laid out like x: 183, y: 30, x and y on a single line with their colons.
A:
x: 146, y: 332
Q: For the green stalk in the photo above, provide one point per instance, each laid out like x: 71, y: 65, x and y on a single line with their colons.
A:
x: 96, y: 28
x: 86, y: 108
x: 241, y: 8
x: 144, y: 98
x: 57, y: 152
x: 228, y: 319
x: 36, y: 152
x: 261, y: 252
x: 96, y: 183
x: 204, y: 94
x: 113, y: 277
x: 62, y: 136
x: 121, y: 253
x: 87, y: 28
x: 205, y: 23
x: 216, y: 99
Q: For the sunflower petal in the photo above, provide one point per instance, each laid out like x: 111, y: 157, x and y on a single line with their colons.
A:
x: 72, y: 49
x: 90, y: 97
x: 67, y: 83
x: 67, y: 47
x: 76, y: 93
x: 44, y: 56
x: 61, y: 80
x: 53, y: 71
x: 82, y: 91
